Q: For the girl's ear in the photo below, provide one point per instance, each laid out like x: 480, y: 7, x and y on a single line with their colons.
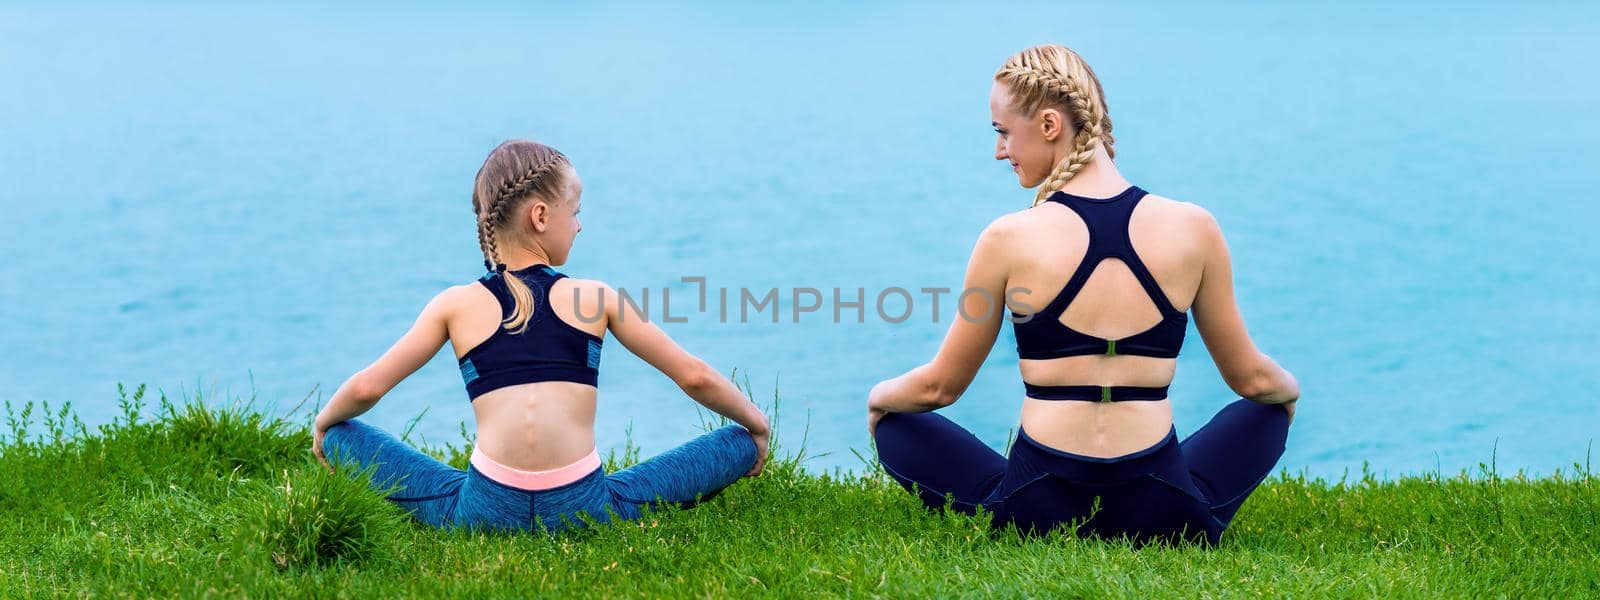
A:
x: 539, y: 215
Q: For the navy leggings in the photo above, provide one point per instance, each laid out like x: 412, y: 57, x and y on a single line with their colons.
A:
x: 1171, y: 490
x: 443, y: 496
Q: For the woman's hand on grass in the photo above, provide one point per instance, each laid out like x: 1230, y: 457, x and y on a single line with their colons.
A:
x: 873, y: 416
x: 875, y: 410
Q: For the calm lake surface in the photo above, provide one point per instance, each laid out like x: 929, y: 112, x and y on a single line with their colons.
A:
x: 238, y: 200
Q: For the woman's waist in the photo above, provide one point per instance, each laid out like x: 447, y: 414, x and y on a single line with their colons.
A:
x: 1098, y: 429
x: 1130, y: 460
x: 1119, y: 370
x: 1097, y: 379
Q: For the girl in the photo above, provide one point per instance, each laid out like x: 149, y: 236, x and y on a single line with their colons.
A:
x: 527, y: 339
x: 1116, y: 270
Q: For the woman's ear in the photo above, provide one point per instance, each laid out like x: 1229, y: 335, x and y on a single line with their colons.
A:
x: 1051, y: 124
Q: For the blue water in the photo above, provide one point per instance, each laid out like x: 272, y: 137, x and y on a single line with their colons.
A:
x: 259, y: 199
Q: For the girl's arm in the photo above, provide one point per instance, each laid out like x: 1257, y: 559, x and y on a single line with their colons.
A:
x: 972, y: 333
x: 696, y: 378
x: 362, y: 391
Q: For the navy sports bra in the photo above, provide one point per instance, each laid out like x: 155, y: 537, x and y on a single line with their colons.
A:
x: 1044, y: 336
x: 549, y: 349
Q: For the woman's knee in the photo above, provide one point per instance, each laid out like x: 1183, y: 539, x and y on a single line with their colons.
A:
x: 1271, y: 420
x: 891, y: 423
x: 900, y: 429
x: 1247, y: 408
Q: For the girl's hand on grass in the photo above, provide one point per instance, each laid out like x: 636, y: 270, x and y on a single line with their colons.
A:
x: 762, y: 440
x: 317, y: 433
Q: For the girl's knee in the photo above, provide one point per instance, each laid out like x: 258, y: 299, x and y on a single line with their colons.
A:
x: 345, y: 428
x: 349, y: 437
x: 335, y: 437
x: 742, y: 442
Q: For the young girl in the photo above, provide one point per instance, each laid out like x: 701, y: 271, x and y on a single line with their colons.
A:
x: 1105, y: 274
x: 527, y: 339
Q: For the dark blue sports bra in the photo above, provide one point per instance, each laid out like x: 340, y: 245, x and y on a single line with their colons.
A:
x: 549, y: 349
x: 1043, y: 335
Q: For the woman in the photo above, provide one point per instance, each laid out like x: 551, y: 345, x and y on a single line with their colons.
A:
x: 1115, y: 271
x: 527, y: 339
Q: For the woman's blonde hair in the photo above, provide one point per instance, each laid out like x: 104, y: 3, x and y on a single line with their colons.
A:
x: 515, y: 172
x: 1052, y: 76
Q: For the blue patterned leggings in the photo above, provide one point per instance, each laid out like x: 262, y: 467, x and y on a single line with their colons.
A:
x: 446, y: 497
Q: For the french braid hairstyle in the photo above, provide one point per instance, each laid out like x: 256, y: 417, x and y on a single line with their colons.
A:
x: 1052, y: 76
x: 515, y: 172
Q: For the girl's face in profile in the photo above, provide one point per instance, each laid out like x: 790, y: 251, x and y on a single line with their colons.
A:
x: 561, y: 220
x: 1021, y: 139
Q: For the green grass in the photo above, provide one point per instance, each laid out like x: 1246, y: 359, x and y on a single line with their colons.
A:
x: 195, y: 501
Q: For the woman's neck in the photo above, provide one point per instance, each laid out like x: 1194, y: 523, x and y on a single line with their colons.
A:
x: 1098, y: 179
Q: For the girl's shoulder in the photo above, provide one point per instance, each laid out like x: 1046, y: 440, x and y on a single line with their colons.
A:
x: 586, y: 284
x: 590, y: 296
x: 453, y: 300
x: 483, y: 293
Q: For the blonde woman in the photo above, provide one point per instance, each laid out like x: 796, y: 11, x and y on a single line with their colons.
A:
x: 527, y: 339
x: 1098, y: 277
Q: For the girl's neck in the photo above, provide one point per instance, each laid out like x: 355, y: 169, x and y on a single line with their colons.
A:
x: 518, y: 258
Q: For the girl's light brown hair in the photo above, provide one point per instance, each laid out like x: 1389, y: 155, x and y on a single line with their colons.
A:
x: 1052, y: 76
x: 515, y: 172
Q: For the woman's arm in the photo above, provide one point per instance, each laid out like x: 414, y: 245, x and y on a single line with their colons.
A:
x: 1247, y: 370
x: 696, y: 378
x: 981, y: 309
x: 362, y: 391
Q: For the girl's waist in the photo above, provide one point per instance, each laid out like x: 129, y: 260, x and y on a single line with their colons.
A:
x: 534, y: 480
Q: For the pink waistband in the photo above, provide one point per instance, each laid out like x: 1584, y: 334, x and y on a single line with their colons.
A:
x: 534, y: 480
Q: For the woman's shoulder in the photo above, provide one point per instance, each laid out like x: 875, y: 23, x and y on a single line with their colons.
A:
x: 1008, y: 227
x: 1155, y: 209
x: 1179, y: 211
x: 1175, y: 221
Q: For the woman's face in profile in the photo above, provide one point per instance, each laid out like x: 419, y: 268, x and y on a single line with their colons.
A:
x: 1020, y: 139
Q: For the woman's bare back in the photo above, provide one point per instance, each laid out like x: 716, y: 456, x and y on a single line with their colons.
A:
x: 1049, y: 242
